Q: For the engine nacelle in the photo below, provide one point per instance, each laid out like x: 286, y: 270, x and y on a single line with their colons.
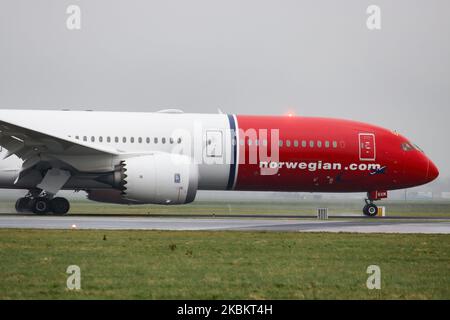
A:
x: 107, y: 196
x: 161, y: 178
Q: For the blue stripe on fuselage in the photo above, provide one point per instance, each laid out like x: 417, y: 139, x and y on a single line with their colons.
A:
x: 234, y: 152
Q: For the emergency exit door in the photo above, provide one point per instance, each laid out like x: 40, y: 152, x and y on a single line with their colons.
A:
x: 367, y: 151
x: 214, y: 143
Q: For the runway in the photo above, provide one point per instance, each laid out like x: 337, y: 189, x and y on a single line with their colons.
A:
x: 359, y: 225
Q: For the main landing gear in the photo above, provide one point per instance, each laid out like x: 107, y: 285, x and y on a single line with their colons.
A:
x: 43, y: 205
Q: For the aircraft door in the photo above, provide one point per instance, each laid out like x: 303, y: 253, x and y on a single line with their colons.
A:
x: 214, y: 143
x: 367, y: 147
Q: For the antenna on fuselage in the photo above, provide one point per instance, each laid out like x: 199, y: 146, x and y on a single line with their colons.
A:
x: 170, y: 111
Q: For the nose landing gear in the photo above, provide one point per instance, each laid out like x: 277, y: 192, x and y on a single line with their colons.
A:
x: 42, y: 204
x: 370, y: 209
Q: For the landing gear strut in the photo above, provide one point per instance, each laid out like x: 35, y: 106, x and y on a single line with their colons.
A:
x: 40, y: 205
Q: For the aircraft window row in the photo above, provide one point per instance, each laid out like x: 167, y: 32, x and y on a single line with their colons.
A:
x: 296, y: 143
x: 130, y: 139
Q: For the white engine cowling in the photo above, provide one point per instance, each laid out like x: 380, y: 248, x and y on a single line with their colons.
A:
x: 107, y: 196
x: 160, y: 178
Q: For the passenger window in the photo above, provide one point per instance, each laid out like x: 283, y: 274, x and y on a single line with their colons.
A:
x: 319, y: 144
x: 327, y: 144
x: 124, y: 139
x: 155, y: 140
x: 280, y: 143
x: 163, y: 140
x: 311, y: 144
x: 295, y: 143
x: 100, y: 139
x: 304, y: 143
x: 147, y: 140
x: 335, y: 144
x: 108, y: 139
x: 77, y: 137
x: 179, y: 141
x: 116, y: 139
x: 288, y: 143
x: 171, y: 140
x: 92, y: 139
x: 84, y: 138
x: 140, y: 140
x: 132, y: 139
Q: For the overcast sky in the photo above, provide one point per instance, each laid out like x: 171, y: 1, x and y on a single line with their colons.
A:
x: 316, y: 58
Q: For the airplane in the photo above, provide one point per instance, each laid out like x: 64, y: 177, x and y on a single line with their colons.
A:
x: 164, y: 157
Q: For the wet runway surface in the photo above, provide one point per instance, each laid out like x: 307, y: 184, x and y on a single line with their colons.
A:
x: 309, y: 224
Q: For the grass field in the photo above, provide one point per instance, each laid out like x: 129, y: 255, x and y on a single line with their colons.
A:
x: 222, y: 265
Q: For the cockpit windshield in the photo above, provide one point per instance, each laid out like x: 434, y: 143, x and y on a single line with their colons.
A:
x: 417, y: 147
x: 407, y: 146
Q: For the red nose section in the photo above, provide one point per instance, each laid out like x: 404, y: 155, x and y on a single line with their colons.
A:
x: 433, y: 171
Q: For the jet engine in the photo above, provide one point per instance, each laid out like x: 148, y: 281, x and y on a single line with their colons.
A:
x: 160, y: 178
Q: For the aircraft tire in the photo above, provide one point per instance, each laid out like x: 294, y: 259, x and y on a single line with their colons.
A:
x: 59, y: 205
x: 370, y: 210
x: 41, y: 206
x: 22, y: 205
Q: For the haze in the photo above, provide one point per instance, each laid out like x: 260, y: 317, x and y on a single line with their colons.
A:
x: 314, y: 58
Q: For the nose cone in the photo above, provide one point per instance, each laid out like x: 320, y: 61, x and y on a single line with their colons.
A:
x: 419, y: 169
x: 433, y: 171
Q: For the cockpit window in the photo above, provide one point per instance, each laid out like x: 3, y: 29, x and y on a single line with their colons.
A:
x: 407, y: 147
x: 417, y: 147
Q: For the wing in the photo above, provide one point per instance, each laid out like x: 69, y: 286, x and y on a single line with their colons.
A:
x: 26, y: 142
